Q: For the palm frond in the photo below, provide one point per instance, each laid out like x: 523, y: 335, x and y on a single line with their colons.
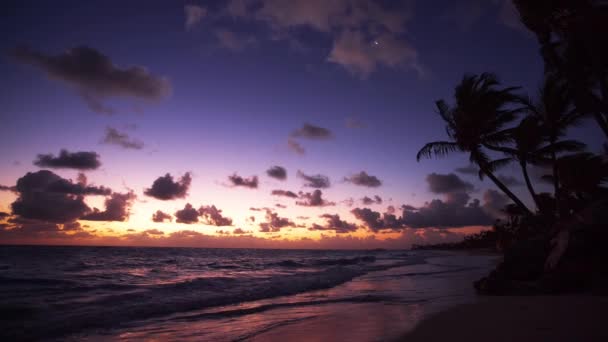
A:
x: 562, y: 146
x: 498, y: 164
x: 437, y: 149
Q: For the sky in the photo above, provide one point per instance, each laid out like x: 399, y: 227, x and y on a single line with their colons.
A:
x: 247, y: 123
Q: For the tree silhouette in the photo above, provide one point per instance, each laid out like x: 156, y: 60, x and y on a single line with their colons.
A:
x: 476, y: 121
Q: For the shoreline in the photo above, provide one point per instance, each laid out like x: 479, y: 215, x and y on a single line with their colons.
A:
x: 518, y: 318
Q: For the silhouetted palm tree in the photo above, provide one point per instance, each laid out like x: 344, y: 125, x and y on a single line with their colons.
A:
x: 573, y: 35
x: 555, y: 112
x: 531, y: 147
x: 477, y: 120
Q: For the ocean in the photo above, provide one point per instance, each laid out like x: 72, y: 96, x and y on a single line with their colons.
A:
x: 131, y: 293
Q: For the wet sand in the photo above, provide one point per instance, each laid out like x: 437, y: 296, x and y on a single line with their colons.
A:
x: 534, y: 318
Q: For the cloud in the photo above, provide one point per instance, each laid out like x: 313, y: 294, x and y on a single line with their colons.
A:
x: 213, y: 216
x: 188, y: 215
x: 194, y: 14
x: 365, y: 33
x: 313, y: 199
x: 295, y: 147
x: 454, y: 212
x: 468, y: 170
x: 114, y: 137
x: 47, y: 197
x: 333, y: 222
x: 95, y: 77
x: 314, y: 181
x: 277, y: 172
x: 240, y: 231
x: 274, y: 222
x: 4, y: 215
x: 284, y: 193
x: 233, y: 41
x: 160, y: 216
x: 117, y: 208
x: 368, y: 200
x: 69, y: 160
x: 361, y: 54
x: 376, y: 221
x: 309, y: 131
x: 363, y: 179
x: 153, y: 232
x: 251, y: 182
x: 165, y: 188
x: 443, y: 184
x: 7, y: 188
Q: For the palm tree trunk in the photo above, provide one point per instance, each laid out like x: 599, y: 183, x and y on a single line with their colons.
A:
x: 506, y: 190
x: 524, y: 169
x: 556, y: 189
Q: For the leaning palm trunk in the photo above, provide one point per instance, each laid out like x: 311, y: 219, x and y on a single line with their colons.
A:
x: 504, y: 189
x: 556, y: 183
x: 524, y: 170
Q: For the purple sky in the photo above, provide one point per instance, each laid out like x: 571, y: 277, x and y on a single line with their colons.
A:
x: 220, y: 88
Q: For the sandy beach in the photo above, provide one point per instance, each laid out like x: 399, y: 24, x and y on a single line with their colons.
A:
x: 535, y: 318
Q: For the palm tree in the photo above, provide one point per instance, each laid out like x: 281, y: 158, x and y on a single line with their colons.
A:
x: 478, y: 118
x: 572, y: 36
x: 531, y: 148
x: 555, y: 113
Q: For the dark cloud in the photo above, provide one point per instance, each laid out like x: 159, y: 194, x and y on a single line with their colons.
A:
x: 451, y: 213
x: 333, y: 222
x: 376, y: 221
x: 153, y: 232
x: 194, y: 14
x: 45, y: 196
x: 391, y: 209
x: 117, y: 208
x: 115, y: 137
x: 309, y: 131
x: 295, y: 147
x: 468, y: 170
x: 368, y: 200
x: 69, y: 160
x: 95, y: 77
x: 284, y: 193
x: 279, y: 205
x: 4, y: 215
x: 314, y: 181
x: 160, y: 216
x: 313, y: 199
x: 213, y: 216
x: 444, y: 184
x: 251, y: 182
x: 363, y: 179
x: 366, y: 34
x: 71, y: 226
x: 240, y: 231
x: 165, y: 188
x: 188, y: 215
x: 277, y: 172
x: 274, y: 222
x: 7, y: 188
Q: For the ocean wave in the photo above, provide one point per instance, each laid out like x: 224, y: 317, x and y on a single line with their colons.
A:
x: 114, y: 310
